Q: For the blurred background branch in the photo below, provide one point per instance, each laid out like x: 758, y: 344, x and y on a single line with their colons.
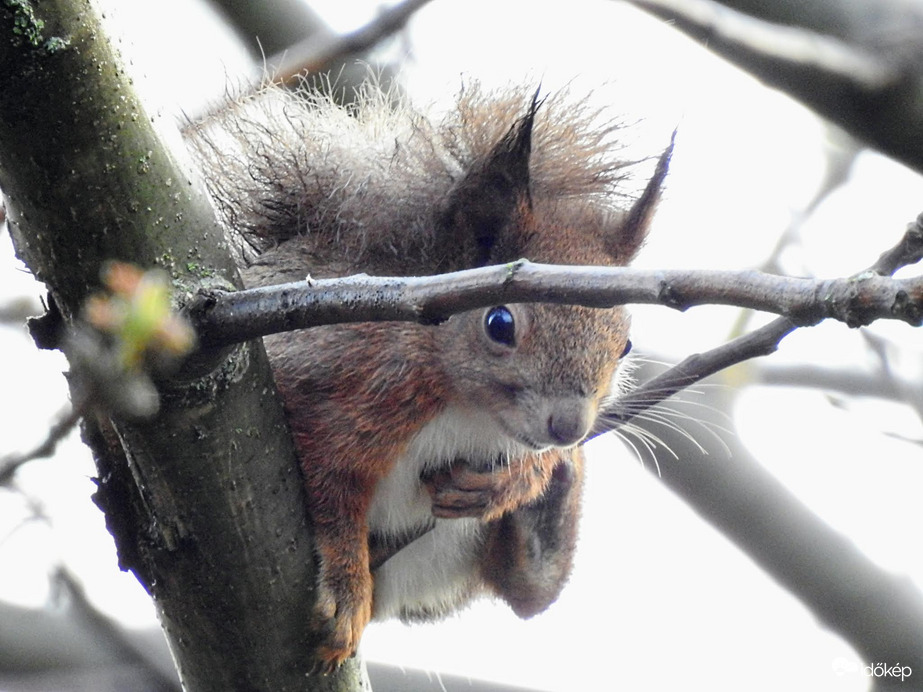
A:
x: 856, y: 63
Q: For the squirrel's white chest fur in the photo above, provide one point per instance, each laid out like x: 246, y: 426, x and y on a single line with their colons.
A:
x: 435, y: 572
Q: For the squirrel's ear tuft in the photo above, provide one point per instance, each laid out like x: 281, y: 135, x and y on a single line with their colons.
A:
x: 508, y: 163
x: 631, y: 233
x: 485, y: 200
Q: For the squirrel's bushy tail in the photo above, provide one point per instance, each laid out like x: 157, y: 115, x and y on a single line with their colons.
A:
x: 373, y: 176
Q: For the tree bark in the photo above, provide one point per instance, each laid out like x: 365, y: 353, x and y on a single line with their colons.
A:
x: 205, y: 500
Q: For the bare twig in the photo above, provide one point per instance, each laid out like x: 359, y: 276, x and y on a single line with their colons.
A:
x: 221, y: 318
x: 908, y: 251
x: 843, y: 381
x: 761, y: 342
x: 10, y: 463
x: 698, y: 366
x: 312, y: 56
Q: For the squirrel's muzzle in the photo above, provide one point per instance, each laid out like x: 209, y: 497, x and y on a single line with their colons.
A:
x: 569, y: 422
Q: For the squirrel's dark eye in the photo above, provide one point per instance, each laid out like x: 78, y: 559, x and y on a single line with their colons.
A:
x: 627, y: 349
x: 500, y: 325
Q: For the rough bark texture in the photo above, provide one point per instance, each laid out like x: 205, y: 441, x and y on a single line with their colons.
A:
x: 204, y: 500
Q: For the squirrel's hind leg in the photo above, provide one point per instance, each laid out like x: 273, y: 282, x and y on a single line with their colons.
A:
x: 528, y: 552
x: 343, y: 602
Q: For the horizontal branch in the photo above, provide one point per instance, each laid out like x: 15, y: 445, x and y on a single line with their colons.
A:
x: 222, y: 318
x: 760, y: 342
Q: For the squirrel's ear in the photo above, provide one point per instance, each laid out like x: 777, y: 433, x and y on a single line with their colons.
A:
x: 485, y: 199
x: 631, y: 233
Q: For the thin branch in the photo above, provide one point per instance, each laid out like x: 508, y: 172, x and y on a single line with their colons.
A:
x: 910, y: 393
x: 221, y: 318
x: 10, y: 463
x: 269, y: 28
x: 886, y: 27
x: 842, y: 151
x: 761, y: 342
x: 908, y: 251
x: 312, y: 56
x: 845, y: 381
x: 431, y: 299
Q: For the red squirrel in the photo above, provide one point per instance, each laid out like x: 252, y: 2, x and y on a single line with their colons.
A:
x: 459, y: 440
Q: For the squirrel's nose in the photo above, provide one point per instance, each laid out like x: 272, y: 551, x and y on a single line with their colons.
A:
x: 569, y: 423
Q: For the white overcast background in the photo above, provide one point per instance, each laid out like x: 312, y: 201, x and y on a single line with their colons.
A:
x: 658, y: 599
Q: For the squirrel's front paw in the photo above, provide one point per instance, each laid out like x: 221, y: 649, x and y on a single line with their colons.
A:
x: 339, y: 620
x: 462, y: 491
x: 465, y: 491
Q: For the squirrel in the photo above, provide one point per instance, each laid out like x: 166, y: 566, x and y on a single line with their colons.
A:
x: 441, y: 462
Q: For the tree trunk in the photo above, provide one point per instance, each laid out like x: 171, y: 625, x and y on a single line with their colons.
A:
x: 205, y: 500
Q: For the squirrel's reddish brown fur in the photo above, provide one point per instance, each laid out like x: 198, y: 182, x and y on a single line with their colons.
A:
x: 465, y: 432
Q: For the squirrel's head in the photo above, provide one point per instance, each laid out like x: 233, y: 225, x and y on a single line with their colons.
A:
x: 540, y: 371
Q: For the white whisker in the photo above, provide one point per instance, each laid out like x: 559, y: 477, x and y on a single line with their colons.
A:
x: 623, y: 434
x: 662, y: 419
x: 710, y: 426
